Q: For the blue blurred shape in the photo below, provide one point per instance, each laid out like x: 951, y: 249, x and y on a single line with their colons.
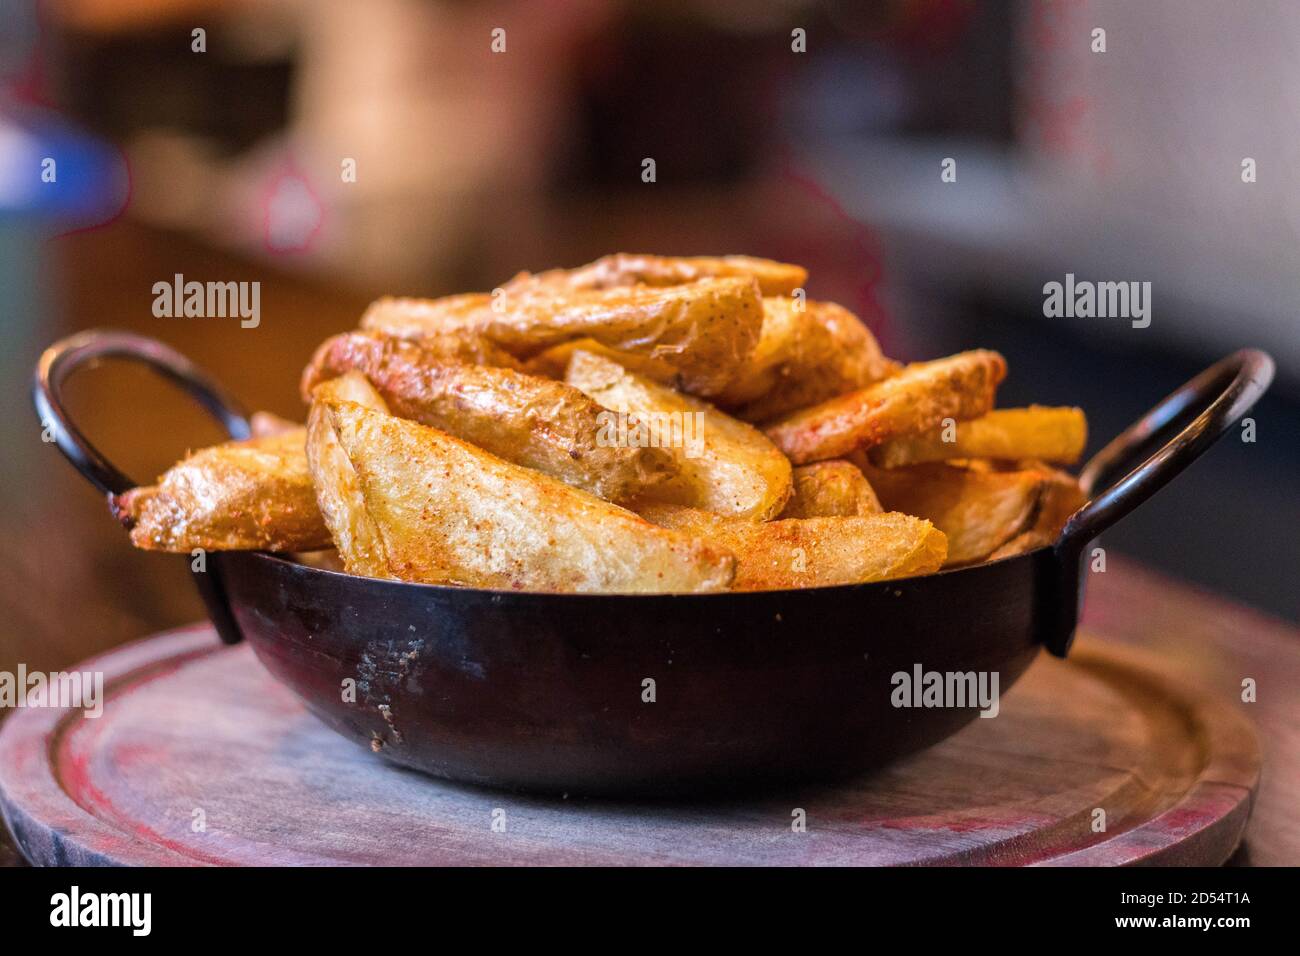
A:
x: 56, y: 175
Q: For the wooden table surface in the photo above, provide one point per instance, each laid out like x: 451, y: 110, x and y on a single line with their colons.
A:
x: 1204, y: 638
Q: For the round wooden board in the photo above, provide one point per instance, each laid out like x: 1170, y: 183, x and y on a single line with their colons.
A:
x: 194, y: 732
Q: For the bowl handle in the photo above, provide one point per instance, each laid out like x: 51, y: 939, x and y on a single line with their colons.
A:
x: 1209, y: 405
x: 88, y: 348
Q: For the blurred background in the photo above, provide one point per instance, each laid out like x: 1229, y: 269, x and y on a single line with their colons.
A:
x: 336, y: 150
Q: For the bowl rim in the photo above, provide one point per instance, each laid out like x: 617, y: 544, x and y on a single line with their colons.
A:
x: 287, y: 563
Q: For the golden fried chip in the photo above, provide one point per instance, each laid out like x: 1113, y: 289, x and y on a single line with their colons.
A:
x: 438, y: 510
x: 1061, y: 498
x: 625, y: 269
x: 465, y: 347
x: 915, y: 400
x: 532, y: 421
x: 812, y: 552
x: 238, y: 496
x: 338, y: 493
x: 807, y: 352
x: 723, y: 465
x: 350, y: 385
x: 978, y: 510
x: 703, y: 329
x: 1050, y: 434
x: 554, y: 362
x: 827, y: 489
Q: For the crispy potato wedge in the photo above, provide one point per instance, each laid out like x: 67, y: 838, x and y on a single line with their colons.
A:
x: 723, y: 465
x: 450, y: 317
x: 359, y: 350
x: 438, y: 510
x: 806, y: 353
x: 625, y: 269
x: 351, y: 386
x: 812, y: 552
x: 915, y: 400
x: 469, y: 348
x: 554, y: 362
x: 238, y: 496
x: 525, y: 419
x: 1049, y: 434
x: 978, y: 510
x: 338, y: 493
x: 1061, y: 497
x: 829, y: 489
x: 703, y: 329
x: 803, y: 356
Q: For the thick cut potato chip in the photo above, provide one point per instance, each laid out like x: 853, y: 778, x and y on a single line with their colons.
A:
x: 812, y: 552
x: 978, y: 510
x: 468, y: 348
x: 554, y: 362
x: 1061, y: 498
x: 1049, y: 434
x: 806, y: 353
x: 705, y: 330
x: 244, y: 495
x: 399, y: 359
x: 437, y: 510
x: 338, y: 494
x: 723, y: 465
x: 915, y: 400
x: 471, y: 349
x: 827, y: 489
x: 253, y: 495
x: 351, y: 385
x: 525, y: 419
x: 625, y: 268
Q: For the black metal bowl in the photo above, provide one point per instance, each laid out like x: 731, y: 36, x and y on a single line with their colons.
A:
x: 653, y: 694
